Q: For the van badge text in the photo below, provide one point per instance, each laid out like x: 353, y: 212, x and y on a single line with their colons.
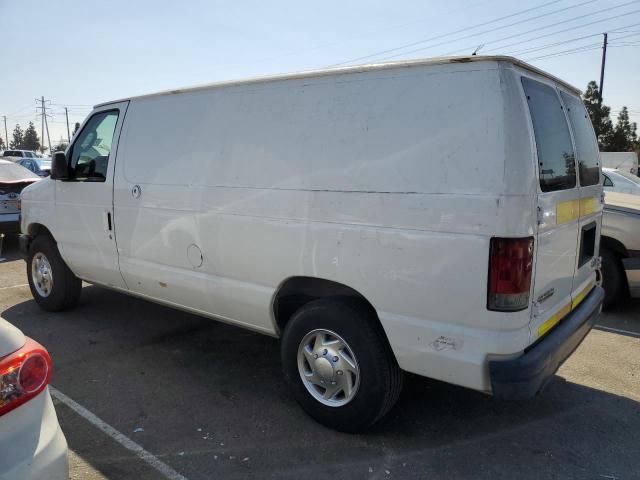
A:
x: 546, y: 295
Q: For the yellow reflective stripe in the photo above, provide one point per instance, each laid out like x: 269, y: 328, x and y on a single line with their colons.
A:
x: 570, y: 210
x: 560, y: 314
x: 580, y: 296
x: 549, y: 324
x: 567, y: 211
x: 588, y: 206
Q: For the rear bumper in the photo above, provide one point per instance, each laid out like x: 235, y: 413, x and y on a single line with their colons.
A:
x: 523, y: 377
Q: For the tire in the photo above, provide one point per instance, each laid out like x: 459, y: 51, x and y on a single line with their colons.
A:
x: 55, y: 288
x: 378, y: 382
x: 614, y: 280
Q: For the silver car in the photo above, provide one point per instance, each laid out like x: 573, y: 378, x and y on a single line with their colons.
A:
x: 615, y: 180
x: 620, y: 246
x: 32, y: 445
x: 13, y: 178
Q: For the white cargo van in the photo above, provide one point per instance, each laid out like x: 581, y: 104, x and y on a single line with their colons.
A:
x: 440, y: 217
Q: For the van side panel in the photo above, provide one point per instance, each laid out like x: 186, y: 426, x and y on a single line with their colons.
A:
x: 391, y: 182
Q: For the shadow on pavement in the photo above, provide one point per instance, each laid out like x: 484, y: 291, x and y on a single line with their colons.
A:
x: 212, y: 403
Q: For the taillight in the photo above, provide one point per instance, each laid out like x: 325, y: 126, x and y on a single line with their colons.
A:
x: 23, y: 375
x: 510, y: 264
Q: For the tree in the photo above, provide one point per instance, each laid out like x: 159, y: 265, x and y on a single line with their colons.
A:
x: 18, y: 135
x: 599, y: 114
x: 2, y: 146
x: 623, y: 137
x: 30, y: 140
x: 60, y: 147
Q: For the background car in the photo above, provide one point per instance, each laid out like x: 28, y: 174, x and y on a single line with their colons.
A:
x: 13, y: 179
x: 619, y: 181
x: 39, y: 166
x: 620, y: 246
x: 14, y: 155
x: 33, y: 445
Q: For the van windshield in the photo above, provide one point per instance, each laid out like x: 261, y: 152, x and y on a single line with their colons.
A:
x: 556, y: 158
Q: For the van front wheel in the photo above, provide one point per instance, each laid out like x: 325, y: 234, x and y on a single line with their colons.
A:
x: 53, y: 285
x: 339, y: 365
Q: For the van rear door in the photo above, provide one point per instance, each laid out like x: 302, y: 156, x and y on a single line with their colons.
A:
x: 558, y: 207
x: 587, y: 156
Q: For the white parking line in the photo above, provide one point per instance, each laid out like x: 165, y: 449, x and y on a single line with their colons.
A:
x: 618, y: 330
x: 15, y: 286
x: 123, y: 440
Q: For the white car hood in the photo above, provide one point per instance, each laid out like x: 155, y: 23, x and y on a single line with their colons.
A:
x: 11, y: 339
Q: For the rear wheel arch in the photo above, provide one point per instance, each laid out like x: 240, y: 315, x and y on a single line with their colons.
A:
x: 295, y: 292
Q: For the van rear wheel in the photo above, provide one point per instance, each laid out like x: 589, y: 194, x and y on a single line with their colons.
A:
x: 339, y: 365
x: 53, y: 285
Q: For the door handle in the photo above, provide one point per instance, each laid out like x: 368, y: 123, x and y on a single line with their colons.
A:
x: 106, y: 219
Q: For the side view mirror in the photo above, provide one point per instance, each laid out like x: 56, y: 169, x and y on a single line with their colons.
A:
x: 59, y: 166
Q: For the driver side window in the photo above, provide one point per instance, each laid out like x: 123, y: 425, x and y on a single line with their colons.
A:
x: 90, y: 153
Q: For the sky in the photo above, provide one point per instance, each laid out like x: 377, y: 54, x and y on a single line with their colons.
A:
x: 77, y: 53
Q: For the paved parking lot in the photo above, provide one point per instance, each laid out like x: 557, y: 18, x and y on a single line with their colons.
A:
x: 206, y: 400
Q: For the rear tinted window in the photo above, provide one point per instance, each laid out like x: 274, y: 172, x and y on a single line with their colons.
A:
x: 556, y: 159
x: 12, y: 153
x: 585, y: 140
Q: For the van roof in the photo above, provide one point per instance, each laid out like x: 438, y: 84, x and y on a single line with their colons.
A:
x: 359, y: 69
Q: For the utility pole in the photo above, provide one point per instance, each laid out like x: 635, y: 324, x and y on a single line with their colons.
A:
x: 5, y: 131
x: 604, y: 59
x: 46, y: 124
x: 66, y: 114
x: 42, y: 129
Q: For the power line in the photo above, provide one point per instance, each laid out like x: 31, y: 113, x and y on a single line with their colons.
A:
x: 444, y: 34
x: 22, y: 109
x: 72, y: 105
x: 555, y: 44
x: 466, y: 49
x: 555, y: 24
x: 575, y: 50
x: 544, y: 27
x: 584, y: 48
x: 550, y: 45
x: 565, y: 30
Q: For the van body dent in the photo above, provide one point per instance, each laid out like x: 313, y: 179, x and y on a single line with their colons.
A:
x: 398, y: 186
